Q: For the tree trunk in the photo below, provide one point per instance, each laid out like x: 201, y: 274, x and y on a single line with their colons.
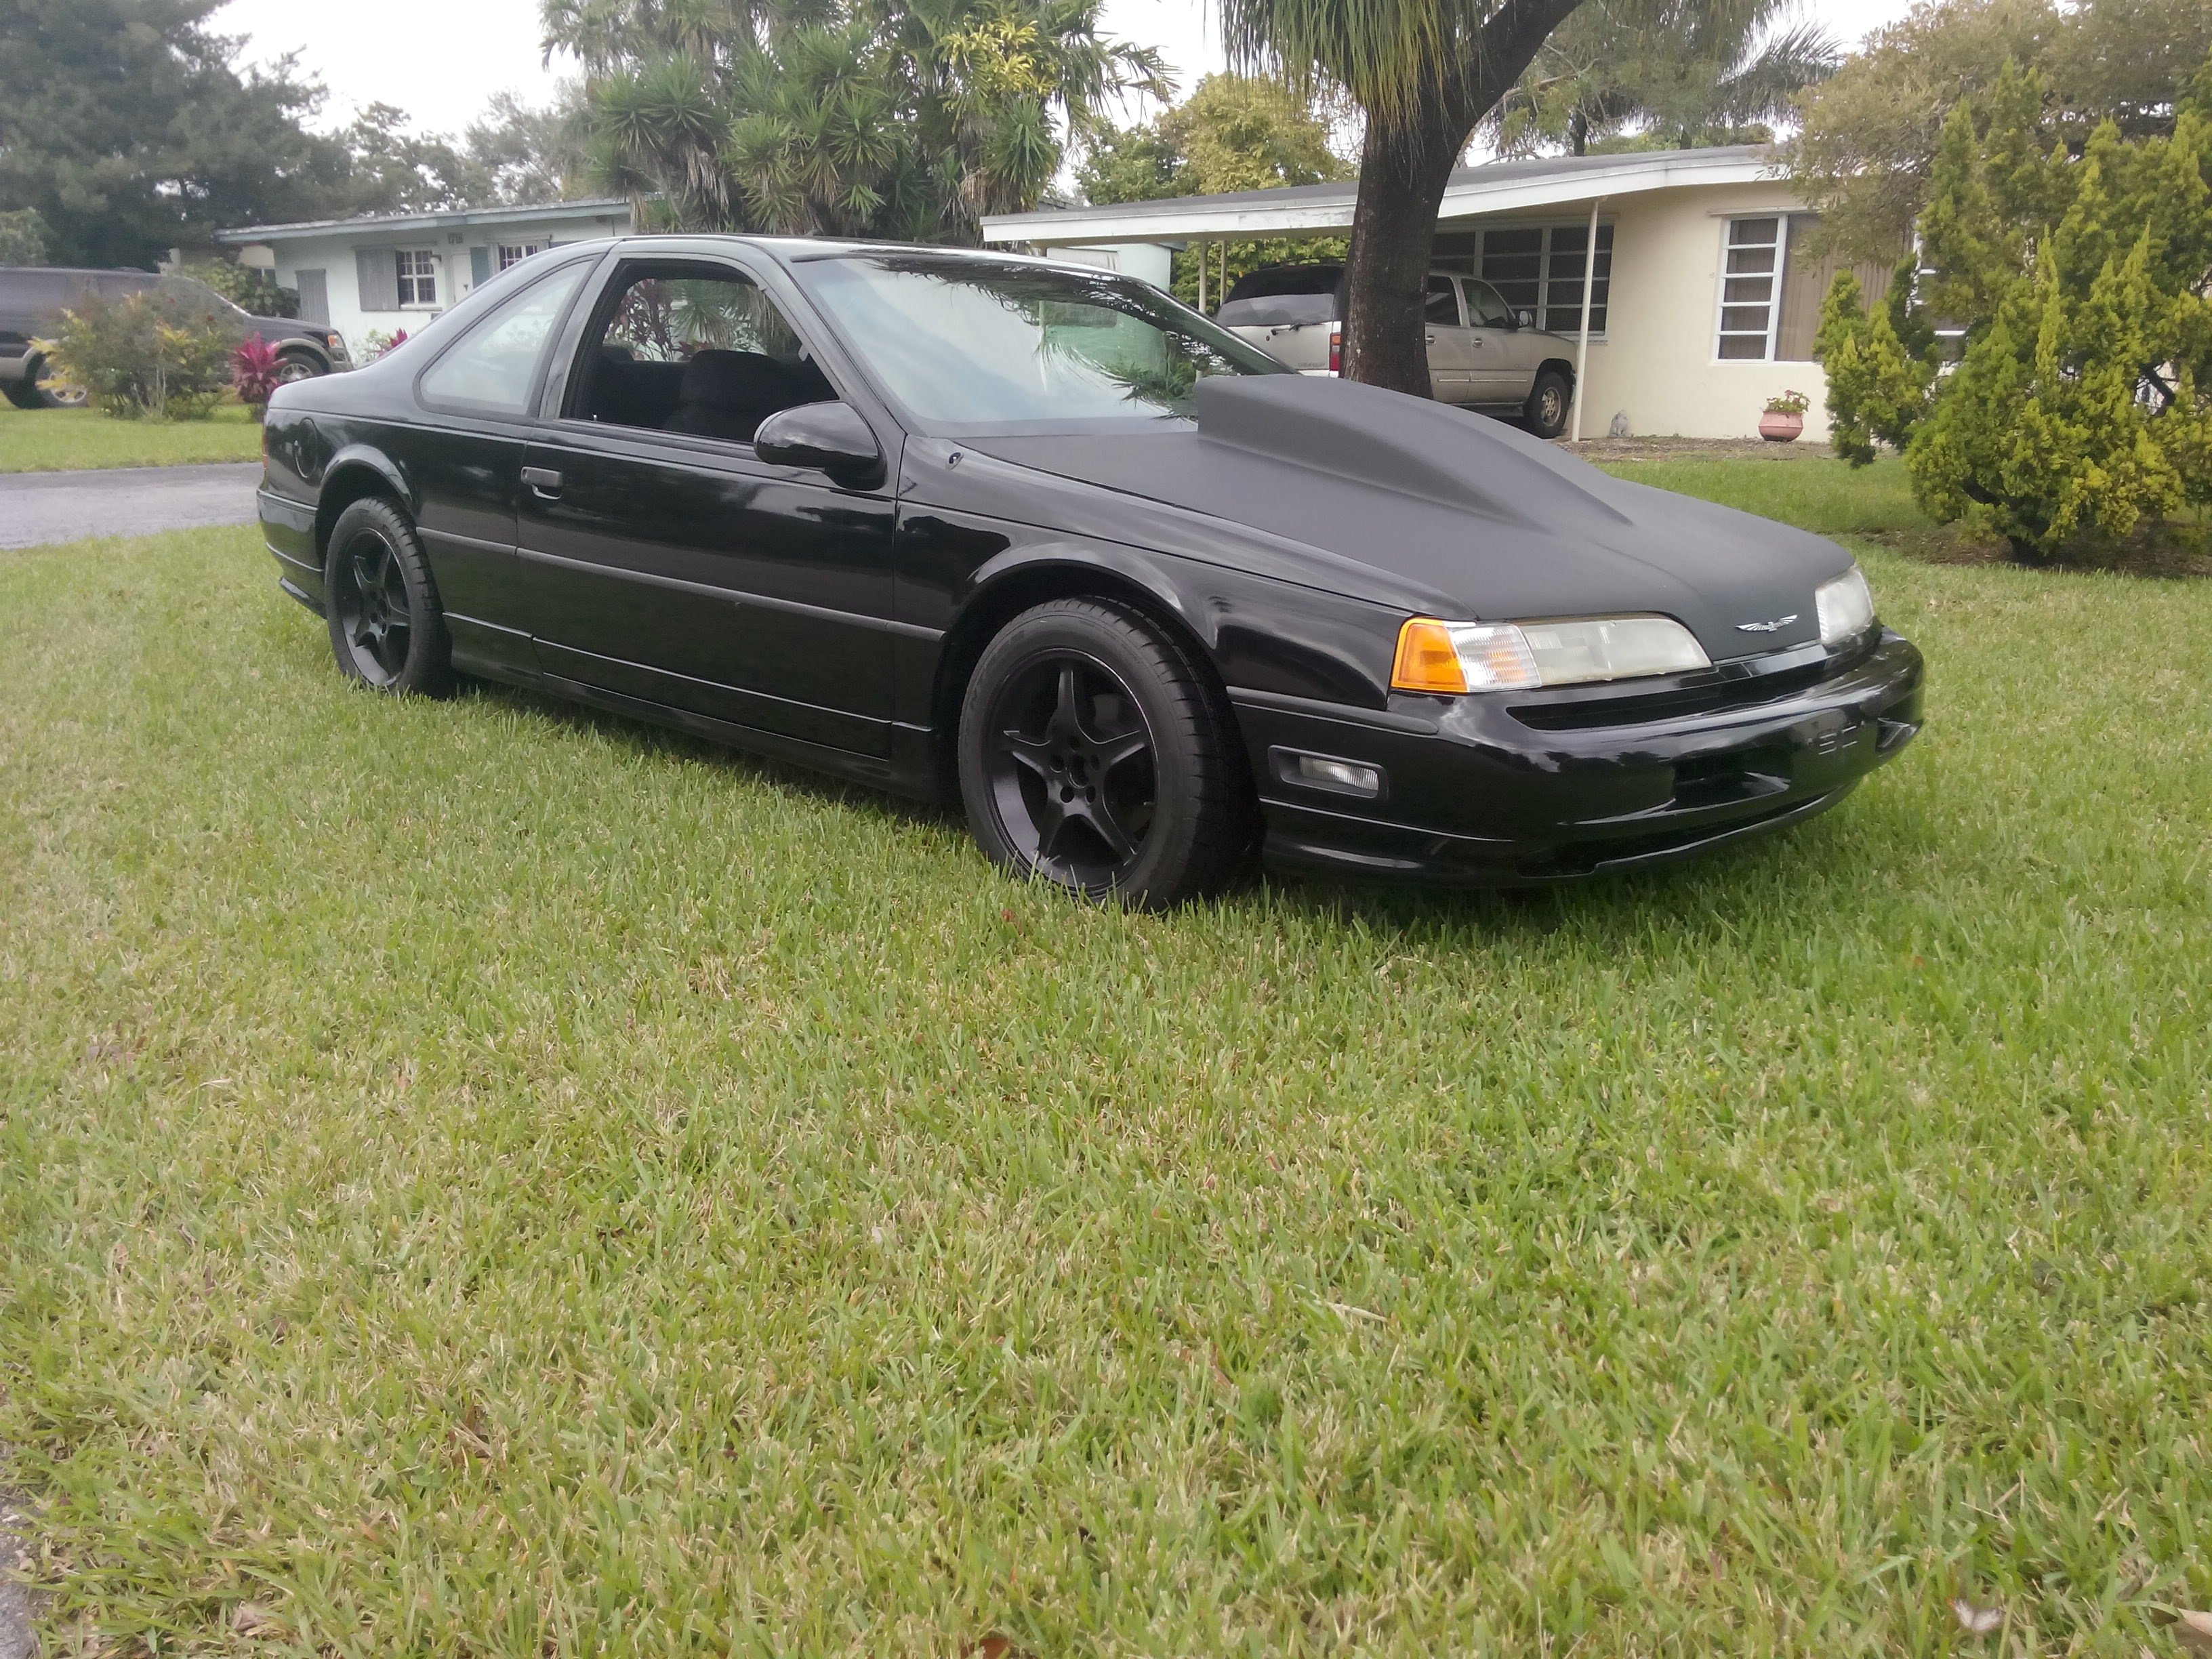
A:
x: 1405, y: 162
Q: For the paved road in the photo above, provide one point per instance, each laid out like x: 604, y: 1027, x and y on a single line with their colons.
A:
x: 39, y: 508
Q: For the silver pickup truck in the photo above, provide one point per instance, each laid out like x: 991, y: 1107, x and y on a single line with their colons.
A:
x: 1481, y: 354
x: 32, y: 298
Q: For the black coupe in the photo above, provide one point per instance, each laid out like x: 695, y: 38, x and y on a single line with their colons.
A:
x: 1037, y: 536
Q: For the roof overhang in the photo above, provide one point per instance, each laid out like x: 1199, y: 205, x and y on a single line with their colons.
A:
x: 1327, y: 209
x: 608, y: 207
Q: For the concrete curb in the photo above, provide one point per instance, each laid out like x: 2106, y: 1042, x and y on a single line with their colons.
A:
x: 18, y: 1639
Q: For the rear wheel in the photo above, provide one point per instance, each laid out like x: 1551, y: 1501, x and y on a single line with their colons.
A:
x: 386, y: 630
x: 1097, y: 755
x: 1549, y: 401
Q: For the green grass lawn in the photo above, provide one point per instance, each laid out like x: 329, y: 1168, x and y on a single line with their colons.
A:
x: 1819, y: 492
x: 481, y: 1178
x: 73, y: 439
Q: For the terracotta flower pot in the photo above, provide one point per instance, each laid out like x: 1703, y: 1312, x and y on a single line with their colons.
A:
x: 1779, y: 428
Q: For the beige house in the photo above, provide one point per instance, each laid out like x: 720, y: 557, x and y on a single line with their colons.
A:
x: 1701, y: 304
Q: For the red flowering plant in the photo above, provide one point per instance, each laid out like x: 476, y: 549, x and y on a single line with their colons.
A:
x: 255, y: 373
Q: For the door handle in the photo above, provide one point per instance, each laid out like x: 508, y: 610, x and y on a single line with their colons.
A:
x: 1431, y: 338
x: 1477, y: 338
x: 543, y: 480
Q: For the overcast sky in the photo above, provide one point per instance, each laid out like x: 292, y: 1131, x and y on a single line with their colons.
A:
x: 441, y: 59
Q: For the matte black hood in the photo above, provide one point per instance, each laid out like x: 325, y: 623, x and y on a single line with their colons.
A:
x: 1466, y: 507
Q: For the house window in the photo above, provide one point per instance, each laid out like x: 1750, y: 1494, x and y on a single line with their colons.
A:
x: 514, y: 253
x: 1751, y: 286
x: 1538, y: 269
x: 418, y: 277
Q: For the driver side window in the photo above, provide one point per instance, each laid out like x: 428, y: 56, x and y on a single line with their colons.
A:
x: 695, y: 349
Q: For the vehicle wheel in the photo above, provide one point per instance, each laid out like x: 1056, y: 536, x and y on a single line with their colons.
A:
x: 297, y: 366
x: 386, y: 626
x: 1549, y: 401
x: 1095, y: 753
x: 43, y: 388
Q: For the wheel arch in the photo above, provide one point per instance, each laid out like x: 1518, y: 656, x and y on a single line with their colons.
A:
x: 1006, y: 588
x: 353, y: 475
x: 1560, y: 366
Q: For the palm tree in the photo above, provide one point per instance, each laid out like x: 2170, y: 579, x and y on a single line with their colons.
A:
x: 1682, y: 72
x: 905, y: 117
x: 1424, y: 71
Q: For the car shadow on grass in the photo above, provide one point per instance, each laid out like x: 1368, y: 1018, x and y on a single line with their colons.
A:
x: 1719, y: 890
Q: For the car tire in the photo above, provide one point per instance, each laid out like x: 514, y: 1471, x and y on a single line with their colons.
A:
x: 387, y: 630
x: 38, y: 389
x: 1096, y: 753
x: 1550, y: 401
x: 299, y: 366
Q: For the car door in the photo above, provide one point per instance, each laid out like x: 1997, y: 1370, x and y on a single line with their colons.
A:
x: 1450, y: 367
x: 667, y: 562
x: 461, y: 454
x: 1499, y: 375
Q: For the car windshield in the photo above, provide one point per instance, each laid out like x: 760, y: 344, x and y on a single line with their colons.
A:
x: 971, y: 345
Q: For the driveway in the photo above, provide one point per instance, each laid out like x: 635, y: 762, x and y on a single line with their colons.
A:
x: 40, y: 507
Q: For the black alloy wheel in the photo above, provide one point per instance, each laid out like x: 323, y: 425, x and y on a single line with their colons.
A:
x: 1096, y: 754
x: 385, y: 627
x: 1550, y: 401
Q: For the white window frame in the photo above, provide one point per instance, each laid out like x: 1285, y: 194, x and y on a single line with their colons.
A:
x: 413, y: 265
x: 522, y: 251
x: 1782, y: 217
x: 1570, y: 324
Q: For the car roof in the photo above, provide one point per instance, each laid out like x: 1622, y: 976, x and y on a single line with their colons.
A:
x: 795, y: 249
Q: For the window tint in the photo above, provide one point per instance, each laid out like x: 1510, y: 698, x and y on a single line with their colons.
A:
x: 493, y: 364
x: 1442, y: 305
x: 697, y: 349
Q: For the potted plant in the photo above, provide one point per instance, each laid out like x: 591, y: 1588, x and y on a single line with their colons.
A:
x: 1784, y: 419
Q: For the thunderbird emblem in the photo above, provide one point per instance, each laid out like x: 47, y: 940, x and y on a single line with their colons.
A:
x: 1774, y: 627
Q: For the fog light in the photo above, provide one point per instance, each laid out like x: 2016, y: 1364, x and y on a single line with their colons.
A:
x: 1339, y: 777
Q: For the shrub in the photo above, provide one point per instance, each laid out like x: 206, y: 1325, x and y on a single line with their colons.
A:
x: 149, y: 353
x: 255, y: 372
x: 247, y: 288
x: 2071, y: 295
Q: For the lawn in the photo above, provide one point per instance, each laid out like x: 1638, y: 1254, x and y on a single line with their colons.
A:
x: 1818, y: 492
x: 72, y: 440
x: 481, y: 1178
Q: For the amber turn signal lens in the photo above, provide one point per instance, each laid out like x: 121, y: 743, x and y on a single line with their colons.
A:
x: 1427, y: 660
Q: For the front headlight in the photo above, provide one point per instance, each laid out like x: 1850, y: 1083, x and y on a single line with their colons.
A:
x: 1452, y: 658
x: 1846, y: 606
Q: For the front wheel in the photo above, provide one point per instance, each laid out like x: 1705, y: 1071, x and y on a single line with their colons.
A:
x: 297, y: 366
x: 1096, y: 754
x: 44, y: 386
x: 387, y: 629
x: 1549, y: 401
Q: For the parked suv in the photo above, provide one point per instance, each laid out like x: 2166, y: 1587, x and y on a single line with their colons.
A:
x: 1482, y: 353
x: 32, y: 298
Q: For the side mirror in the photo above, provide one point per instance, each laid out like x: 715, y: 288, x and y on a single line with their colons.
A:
x: 1525, y: 319
x: 830, y: 436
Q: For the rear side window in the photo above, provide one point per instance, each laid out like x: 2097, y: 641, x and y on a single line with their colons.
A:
x: 1441, y: 304
x: 1284, y: 296
x: 493, y: 366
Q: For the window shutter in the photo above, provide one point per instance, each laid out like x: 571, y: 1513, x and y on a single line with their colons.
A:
x: 379, y: 270
x: 314, y: 295
x: 479, y: 266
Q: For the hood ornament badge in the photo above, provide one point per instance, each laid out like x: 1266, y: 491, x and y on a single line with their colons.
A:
x: 1774, y: 627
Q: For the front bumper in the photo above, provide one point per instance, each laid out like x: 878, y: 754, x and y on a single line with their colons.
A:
x: 1518, y: 789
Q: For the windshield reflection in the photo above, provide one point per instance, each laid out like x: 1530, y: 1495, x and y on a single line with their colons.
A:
x: 967, y: 344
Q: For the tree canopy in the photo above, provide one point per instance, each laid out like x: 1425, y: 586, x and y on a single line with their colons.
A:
x: 1867, y: 149
x: 905, y: 118
x: 1233, y: 132
x: 129, y: 127
x: 1663, y: 74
